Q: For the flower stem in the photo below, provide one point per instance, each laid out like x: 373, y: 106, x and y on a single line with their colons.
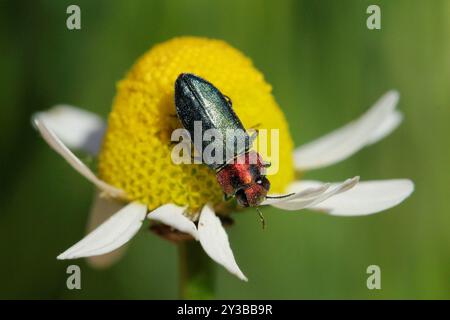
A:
x: 197, y: 272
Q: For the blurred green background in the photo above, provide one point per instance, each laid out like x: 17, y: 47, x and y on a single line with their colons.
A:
x: 326, y: 68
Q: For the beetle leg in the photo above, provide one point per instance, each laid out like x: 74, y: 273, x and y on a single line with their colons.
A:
x: 261, y: 217
x: 267, y: 164
x: 226, y: 197
x: 254, y: 136
x: 230, y: 103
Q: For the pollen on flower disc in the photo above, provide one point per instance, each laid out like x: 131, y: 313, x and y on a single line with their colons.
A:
x: 136, y: 152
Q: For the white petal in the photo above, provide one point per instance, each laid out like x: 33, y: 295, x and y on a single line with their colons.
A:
x: 172, y: 215
x: 214, y: 241
x: 365, y: 198
x: 102, y: 209
x: 78, y: 129
x: 340, y: 144
x: 113, y: 233
x: 334, y: 190
x: 389, y: 125
x: 53, y: 140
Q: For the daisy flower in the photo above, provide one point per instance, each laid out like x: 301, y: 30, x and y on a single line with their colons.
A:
x: 137, y: 179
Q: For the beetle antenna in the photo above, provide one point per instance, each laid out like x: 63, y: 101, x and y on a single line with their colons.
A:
x: 280, y: 197
x: 263, y: 221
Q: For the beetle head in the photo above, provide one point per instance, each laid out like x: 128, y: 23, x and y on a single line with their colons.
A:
x: 245, y: 179
x: 254, y: 193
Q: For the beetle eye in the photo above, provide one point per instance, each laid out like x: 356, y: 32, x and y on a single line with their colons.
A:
x: 262, y: 181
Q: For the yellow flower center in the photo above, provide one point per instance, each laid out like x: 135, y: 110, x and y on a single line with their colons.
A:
x: 136, y: 152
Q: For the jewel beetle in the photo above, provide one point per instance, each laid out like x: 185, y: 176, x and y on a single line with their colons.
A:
x: 241, y: 174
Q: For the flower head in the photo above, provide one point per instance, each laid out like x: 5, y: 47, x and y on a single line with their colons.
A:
x: 135, y: 164
x: 135, y: 155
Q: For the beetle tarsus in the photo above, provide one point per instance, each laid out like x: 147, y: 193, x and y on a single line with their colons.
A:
x: 267, y: 164
x: 230, y: 103
x: 254, y: 136
x: 263, y: 221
